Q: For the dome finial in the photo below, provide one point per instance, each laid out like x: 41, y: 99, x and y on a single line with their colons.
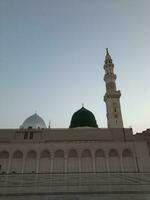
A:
x: 107, y: 51
x: 82, y: 105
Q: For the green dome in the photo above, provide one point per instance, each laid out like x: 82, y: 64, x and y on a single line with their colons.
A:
x: 83, y: 118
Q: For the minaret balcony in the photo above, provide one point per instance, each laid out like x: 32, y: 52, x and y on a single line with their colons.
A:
x: 109, y: 77
x: 111, y: 95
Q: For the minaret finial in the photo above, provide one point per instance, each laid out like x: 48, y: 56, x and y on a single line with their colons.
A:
x: 107, y: 54
x: 49, y: 125
x: 82, y: 105
x: 107, y: 50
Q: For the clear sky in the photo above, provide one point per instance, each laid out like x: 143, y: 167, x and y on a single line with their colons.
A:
x: 52, y: 54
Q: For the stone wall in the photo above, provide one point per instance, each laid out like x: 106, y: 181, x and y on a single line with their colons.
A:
x: 68, y: 157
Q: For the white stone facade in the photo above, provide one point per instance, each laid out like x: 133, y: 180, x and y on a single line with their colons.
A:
x: 67, y: 157
x: 35, y: 156
x: 74, y: 164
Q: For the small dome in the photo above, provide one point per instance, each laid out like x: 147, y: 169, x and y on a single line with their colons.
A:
x: 34, y: 121
x: 83, y: 118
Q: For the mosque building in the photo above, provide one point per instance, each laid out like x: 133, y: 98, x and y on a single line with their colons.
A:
x: 82, y: 162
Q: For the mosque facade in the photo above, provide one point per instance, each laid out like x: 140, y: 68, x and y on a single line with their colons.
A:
x: 82, y: 162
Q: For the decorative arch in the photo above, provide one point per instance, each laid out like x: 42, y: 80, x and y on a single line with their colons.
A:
x: 86, y: 161
x: 45, y: 162
x: 59, y: 153
x: 100, y: 153
x: 31, y: 154
x: 114, y: 161
x: 31, y: 162
x: 45, y: 154
x: 100, y: 161
x: 73, y: 161
x: 4, y: 155
x: 17, y: 161
x: 113, y: 153
x: 127, y: 153
x: 59, y: 162
x: 72, y: 153
x: 4, y: 158
x: 18, y: 154
x: 86, y: 153
x: 128, y: 161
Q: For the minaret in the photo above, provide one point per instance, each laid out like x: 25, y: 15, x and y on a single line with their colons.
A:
x: 112, y: 95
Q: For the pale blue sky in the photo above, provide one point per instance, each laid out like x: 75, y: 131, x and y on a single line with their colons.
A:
x: 52, y: 54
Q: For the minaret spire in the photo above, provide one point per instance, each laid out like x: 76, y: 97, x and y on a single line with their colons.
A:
x: 107, y: 51
x: 112, y: 95
x: 107, y: 55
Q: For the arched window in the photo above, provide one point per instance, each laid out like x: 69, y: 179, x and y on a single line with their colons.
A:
x: 86, y: 153
x: 72, y: 161
x: 59, y: 162
x: 31, y: 154
x: 86, y: 161
x: 100, y: 161
x: 45, y: 154
x: 100, y: 153
x: 45, y: 162
x: 59, y: 153
x: 128, y: 161
x: 114, y: 161
x: 127, y: 153
x: 4, y: 157
x: 16, y: 163
x: 113, y: 153
x: 18, y: 154
x: 72, y: 153
x: 30, y: 165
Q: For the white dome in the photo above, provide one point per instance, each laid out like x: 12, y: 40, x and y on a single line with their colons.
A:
x: 34, y: 121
